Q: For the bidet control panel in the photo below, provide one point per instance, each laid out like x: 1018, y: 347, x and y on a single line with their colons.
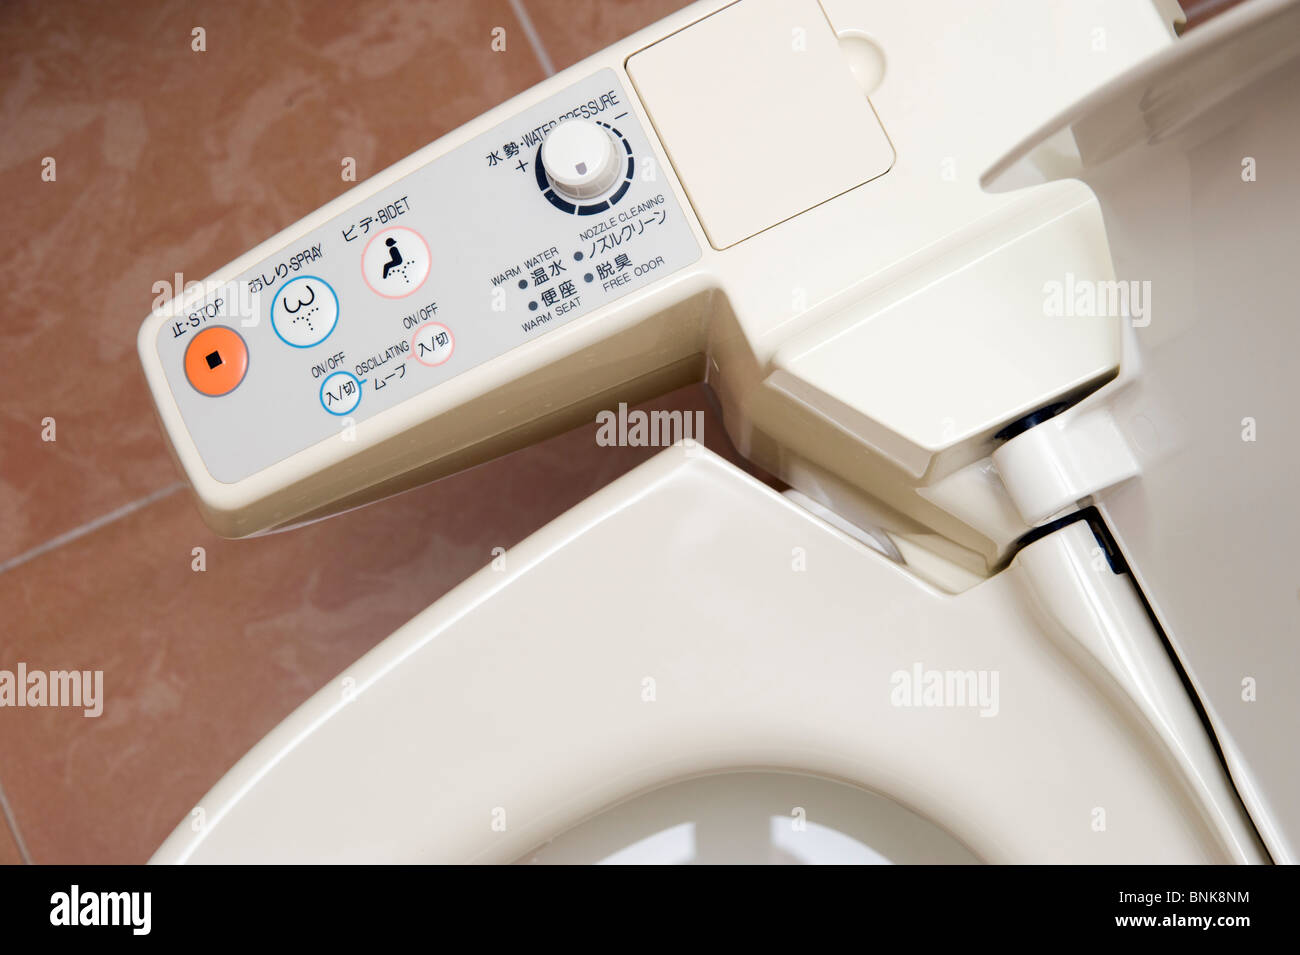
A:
x: 524, y: 228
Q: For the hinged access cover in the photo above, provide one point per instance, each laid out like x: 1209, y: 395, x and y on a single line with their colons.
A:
x: 760, y: 115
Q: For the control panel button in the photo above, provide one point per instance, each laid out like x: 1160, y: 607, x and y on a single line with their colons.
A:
x: 581, y: 159
x: 216, y: 361
x: 396, y: 262
x: 433, y: 344
x: 305, y: 311
x: 340, y: 393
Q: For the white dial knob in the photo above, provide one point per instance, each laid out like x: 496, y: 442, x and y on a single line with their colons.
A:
x: 581, y: 159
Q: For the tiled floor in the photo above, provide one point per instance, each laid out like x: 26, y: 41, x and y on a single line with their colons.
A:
x: 573, y: 29
x: 9, y: 852
x: 170, y: 160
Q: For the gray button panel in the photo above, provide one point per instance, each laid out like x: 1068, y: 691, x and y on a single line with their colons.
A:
x: 465, y: 258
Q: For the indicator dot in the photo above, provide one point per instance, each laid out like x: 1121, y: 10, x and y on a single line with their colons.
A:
x: 587, y: 277
x: 532, y: 306
x: 577, y: 256
x: 523, y: 283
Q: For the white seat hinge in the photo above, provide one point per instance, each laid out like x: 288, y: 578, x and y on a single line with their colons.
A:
x: 1052, y: 466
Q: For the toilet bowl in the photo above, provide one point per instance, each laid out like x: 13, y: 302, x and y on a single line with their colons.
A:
x: 755, y: 819
x: 1030, y: 574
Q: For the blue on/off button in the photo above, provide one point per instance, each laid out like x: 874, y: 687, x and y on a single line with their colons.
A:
x: 340, y: 393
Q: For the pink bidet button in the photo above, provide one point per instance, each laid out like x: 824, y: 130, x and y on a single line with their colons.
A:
x: 396, y: 262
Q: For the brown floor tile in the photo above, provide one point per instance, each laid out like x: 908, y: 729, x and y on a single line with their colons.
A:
x: 198, y: 666
x: 172, y: 161
x: 602, y: 23
x: 9, y: 854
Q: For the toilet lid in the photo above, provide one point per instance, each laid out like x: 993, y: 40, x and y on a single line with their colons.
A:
x: 1195, y: 159
x: 687, y: 620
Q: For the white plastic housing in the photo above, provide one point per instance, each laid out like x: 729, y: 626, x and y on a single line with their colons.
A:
x: 865, y: 348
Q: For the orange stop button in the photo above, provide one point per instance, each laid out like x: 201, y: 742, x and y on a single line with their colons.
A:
x: 216, y: 360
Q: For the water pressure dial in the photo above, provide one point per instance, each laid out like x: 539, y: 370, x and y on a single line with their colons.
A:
x: 582, y: 159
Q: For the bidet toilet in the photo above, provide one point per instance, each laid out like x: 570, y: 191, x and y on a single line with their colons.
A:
x: 1030, y: 595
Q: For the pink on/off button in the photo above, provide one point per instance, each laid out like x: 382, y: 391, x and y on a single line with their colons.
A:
x: 433, y: 344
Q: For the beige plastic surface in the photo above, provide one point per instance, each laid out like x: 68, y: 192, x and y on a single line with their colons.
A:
x: 840, y: 263
x: 908, y: 352
x: 759, y: 115
x: 1191, y: 454
x: 738, y: 633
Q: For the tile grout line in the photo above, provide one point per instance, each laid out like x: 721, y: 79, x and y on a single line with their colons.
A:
x: 90, y: 527
x: 8, y: 813
x: 534, y: 39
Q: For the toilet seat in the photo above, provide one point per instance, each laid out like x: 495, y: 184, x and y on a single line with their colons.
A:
x: 773, y: 641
